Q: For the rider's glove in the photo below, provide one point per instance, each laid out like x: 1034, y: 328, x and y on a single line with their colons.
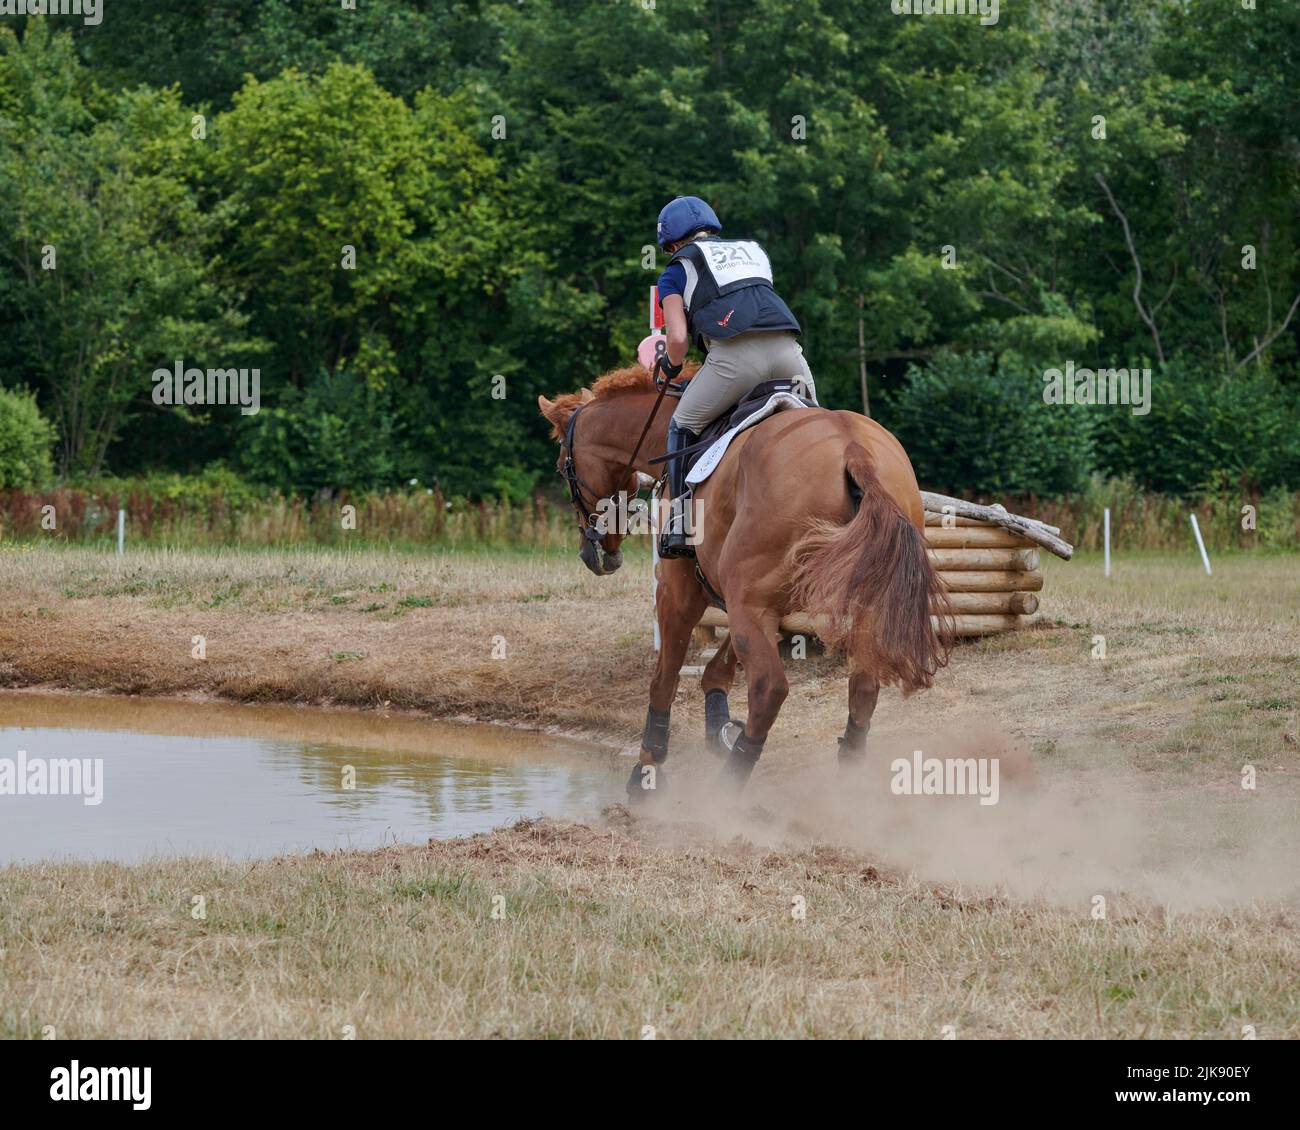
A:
x: 667, y: 368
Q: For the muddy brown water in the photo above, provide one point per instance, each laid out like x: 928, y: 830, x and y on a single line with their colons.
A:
x: 86, y: 778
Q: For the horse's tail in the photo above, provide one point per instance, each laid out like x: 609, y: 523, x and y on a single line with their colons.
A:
x: 872, y: 585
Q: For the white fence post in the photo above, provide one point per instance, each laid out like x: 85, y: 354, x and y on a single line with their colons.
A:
x: 656, y: 326
x: 654, y: 560
x: 1106, y: 525
x: 121, y: 532
x: 1200, y: 542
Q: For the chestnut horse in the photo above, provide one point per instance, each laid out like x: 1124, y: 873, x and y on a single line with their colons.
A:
x: 810, y: 510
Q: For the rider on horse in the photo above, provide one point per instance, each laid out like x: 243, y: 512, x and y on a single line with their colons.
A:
x: 719, y: 294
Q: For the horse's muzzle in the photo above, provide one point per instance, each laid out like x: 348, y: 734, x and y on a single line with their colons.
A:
x: 598, y: 560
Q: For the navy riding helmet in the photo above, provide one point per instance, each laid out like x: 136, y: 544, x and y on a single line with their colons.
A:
x: 684, y: 215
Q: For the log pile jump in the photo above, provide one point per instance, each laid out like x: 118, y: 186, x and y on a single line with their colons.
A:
x: 987, y: 559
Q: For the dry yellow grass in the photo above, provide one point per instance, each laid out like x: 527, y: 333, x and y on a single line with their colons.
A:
x: 1126, y: 786
x: 1205, y: 654
x: 324, y: 626
x: 606, y: 931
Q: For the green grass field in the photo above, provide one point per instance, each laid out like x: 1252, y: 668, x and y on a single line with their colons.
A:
x: 1123, y: 782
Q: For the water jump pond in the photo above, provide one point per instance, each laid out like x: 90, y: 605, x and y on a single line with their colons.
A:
x: 86, y: 778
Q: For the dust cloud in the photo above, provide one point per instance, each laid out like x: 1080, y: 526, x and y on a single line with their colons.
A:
x: 1060, y: 833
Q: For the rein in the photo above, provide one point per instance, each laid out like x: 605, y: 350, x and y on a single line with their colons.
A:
x: 588, y: 518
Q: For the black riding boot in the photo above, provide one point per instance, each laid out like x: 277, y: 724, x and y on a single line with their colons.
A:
x: 674, y: 541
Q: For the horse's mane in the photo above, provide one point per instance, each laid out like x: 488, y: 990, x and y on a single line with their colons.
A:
x: 616, y: 382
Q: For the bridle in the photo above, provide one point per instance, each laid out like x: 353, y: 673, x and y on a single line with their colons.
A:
x: 587, y: 517
x: 569, y: 470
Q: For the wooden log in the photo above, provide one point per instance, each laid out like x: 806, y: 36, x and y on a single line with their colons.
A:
x: 1038, y: 532
x: 967, y: 626
x: 932, y: 519
x: 994, y: 603
x: 958, y: 509
x: 968, y: 537
x: 951, y: 521
x: 974, y: 580
x: 1019, y: 560
x: 964, y: 626
x: 800, y: 624
x: 713, y: 618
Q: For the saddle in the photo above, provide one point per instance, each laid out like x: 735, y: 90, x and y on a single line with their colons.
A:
x: 753, y: 401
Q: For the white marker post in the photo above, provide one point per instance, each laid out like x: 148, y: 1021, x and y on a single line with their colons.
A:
x: 121, y: 532
x: 1105, y: 522
x: 1200, y: 542
x: 656, y: 327
x: 654, y: 561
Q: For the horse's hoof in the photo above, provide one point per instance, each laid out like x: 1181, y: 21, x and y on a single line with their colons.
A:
x: 737, y: 771
x: 646, y: 783
x: 851, y: 761
x: 853, y: 745
x: 730, y: 733
x: 743, y: 755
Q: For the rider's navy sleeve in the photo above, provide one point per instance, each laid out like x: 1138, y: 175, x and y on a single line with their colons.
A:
x: 672, y: 281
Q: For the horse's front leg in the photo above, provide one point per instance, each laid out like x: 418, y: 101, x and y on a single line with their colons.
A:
x: 679, y: 604
x: 719, y: 675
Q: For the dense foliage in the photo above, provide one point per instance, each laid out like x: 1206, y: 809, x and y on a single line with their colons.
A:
x: 496, y: 169
x: 25, y: 441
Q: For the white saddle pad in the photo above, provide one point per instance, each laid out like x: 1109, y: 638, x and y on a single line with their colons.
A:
x: 708, y: 462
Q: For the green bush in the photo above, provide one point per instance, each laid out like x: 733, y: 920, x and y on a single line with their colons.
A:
x: 25, y: 441
x: 338, y: 433
x: 215, y: 484
x: 1205, y: 430
x: 974, y: 427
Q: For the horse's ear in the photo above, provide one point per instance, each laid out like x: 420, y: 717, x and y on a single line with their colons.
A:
x: 587, y: 396
x: 548, y: 409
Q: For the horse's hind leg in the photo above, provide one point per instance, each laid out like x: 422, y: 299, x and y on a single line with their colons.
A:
x: 679, y: 604
x: 753, y: 637
x: 863, y: 692
x: 719, y: 675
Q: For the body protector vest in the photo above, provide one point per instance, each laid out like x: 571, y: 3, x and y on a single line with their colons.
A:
x: 729, y: 290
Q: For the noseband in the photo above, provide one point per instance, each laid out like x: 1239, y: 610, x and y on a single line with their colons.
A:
x: 588, y: 518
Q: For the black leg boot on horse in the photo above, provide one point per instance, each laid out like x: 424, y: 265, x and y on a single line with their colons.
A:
x: 648, y: 776
x: 743, y: 754
x: 675, y: 541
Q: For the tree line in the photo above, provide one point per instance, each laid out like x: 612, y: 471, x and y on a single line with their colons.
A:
x: 414, y: 217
